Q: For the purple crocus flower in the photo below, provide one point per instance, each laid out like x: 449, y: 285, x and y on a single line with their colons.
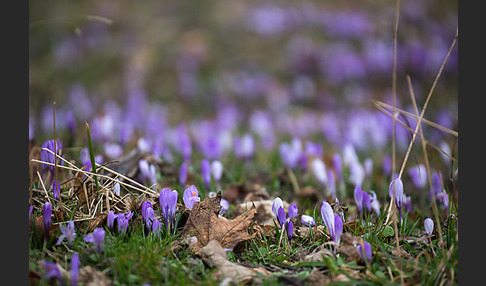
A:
x: 190, y: 196
x: 145, y: 206
x: 149, y: 217
x: 74, y: 269
x: 122, y: 224
x: 308, y: 220
x: 97, y: 238
x: 49, y: 157
x: 333, y: 222
x: 168, y: 204
x: 183, y: 174
x: 217, y: 170
x: 110, y: 220
x: 206, y: 172
x: 290, y: 230
x: 224, y: 206
x: 278, y: 210
x: 46, y: 213
x: 396, y: 191
x: 156, y: 227
x: 52, y: 271
x: 68, y: 233
x: 429, y: 226
x: 293, y: 211
x: 364, y: 251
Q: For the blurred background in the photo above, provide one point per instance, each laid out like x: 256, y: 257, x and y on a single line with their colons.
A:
x: 216, y: 70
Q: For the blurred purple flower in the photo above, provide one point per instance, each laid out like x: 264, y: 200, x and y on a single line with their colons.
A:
x: 113, y: 150
x: 217, y: 170
x: 362, y: 200
x: 337, y: 162
x: 206, y: 172
x: 368, y: 167
x: 387, y: 165
x: 307, y: 220
x: 97, y: 238
x: 168, y: 204
x: 418, y: 174
x: 190, y: 196
x: 149, y: 217
x: 407, y: 203
x: 147, y: 171
x: 49, y: 157
x: 145, y: 206
x: 46, y: 213
x: 319, y: 171
x: 68, y: 233
x: 374, y: 203
x: 364, y: 251
x: 331, y: 183
x: 110, y: 220
x: 183, y: 142
x: 52, y: 271
x: 291, y: 153
x: 122, y: 224
x: 56, y: 190
x: 293, y: 211
x: 183, y: 174
x: 156, y: 226
x: 74, y: 269
x: 356, y: 173
x: 244, y: 146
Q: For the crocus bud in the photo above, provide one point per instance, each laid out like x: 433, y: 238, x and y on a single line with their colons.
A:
x: 308, y: 220
x: 429, y: 226
x: 110, y: 220
x: 293, y: 211
x: 338, y: 228
x: 328, y: 217
x: 46, y: 213
x: 290, y: 230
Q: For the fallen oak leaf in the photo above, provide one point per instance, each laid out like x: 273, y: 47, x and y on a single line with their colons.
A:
x: 205, y: 224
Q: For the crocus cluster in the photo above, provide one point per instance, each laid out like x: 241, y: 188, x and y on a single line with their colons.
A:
x: 168, y: 205
x: 283, y: 220
x: 97, y: 238
x: 122, y: 220
x: 365, y: 201
x: 333, y: 222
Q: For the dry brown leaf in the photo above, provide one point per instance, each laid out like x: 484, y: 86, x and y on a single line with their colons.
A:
x: 316, y: 277
x: 205, y: 224
x: 318, y: 253
x: 348, y: 248
x: 214, y: 255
